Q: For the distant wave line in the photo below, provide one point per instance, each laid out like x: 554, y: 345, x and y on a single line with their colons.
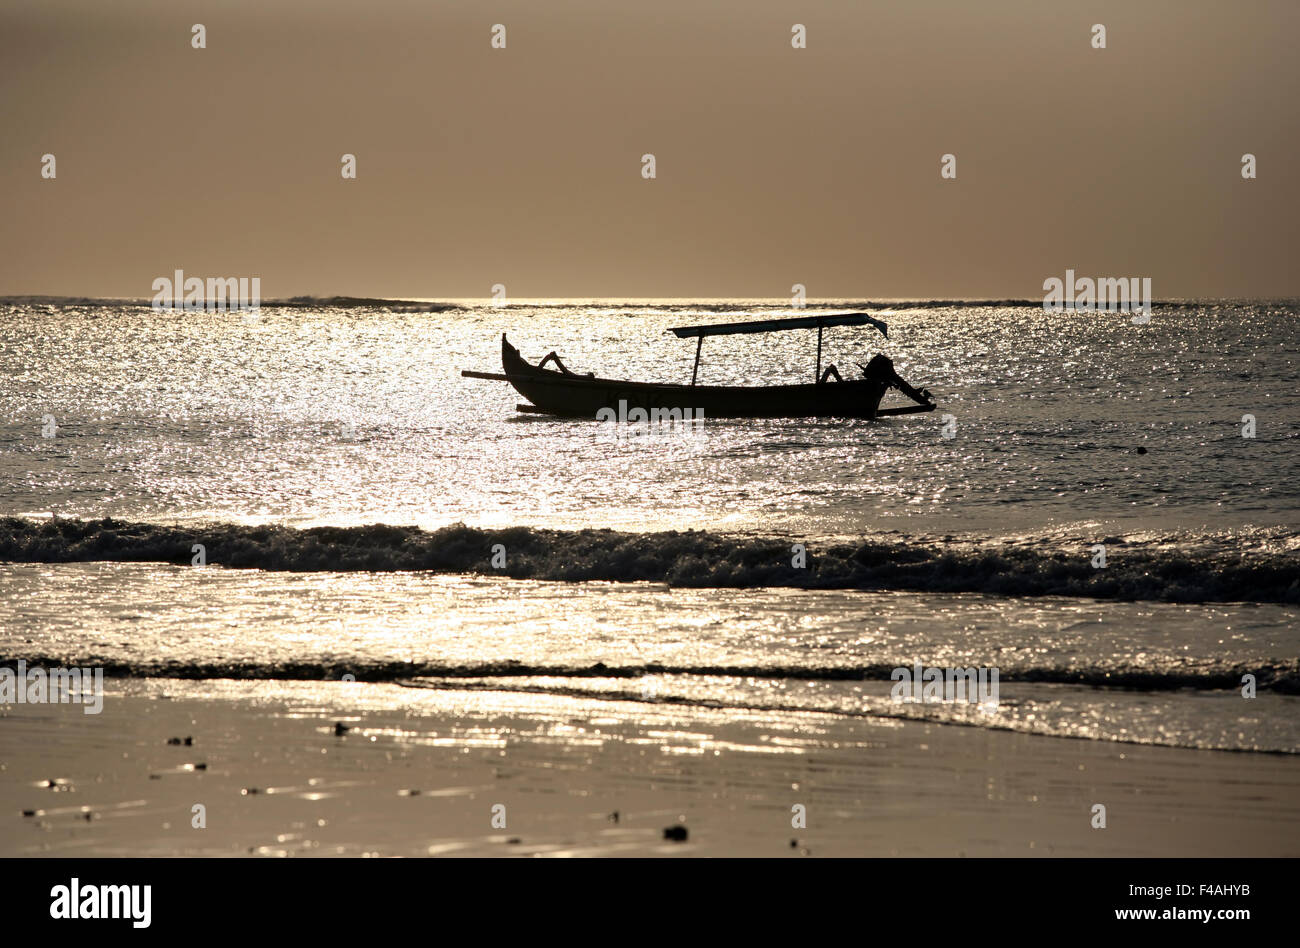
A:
x: 666, y: 304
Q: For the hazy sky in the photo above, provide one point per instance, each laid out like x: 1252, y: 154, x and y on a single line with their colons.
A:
x: 775, y: 165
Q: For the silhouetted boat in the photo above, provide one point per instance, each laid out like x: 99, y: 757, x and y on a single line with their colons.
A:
x: 559, y: 391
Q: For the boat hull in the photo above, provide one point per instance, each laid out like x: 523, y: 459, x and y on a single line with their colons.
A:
x: 582, y: 396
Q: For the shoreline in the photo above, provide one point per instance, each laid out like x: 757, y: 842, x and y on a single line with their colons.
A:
x: 418, y: 771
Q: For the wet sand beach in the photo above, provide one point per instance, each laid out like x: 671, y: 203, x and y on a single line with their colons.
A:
x: 354, y: 769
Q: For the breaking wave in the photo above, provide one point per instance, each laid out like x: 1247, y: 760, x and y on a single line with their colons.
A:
x: 1118, y: 707
x: 1197, y: 568
x: 1281, y: 677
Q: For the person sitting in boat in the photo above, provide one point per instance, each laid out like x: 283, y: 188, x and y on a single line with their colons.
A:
x: 881, y: 369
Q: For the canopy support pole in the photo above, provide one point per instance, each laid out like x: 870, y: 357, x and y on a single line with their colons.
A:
x: 699, y: 344
x: 817, y: 376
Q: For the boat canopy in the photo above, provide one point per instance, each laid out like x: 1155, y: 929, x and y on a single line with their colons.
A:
x: 776, y: 325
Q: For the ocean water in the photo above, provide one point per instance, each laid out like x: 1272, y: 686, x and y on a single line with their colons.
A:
x: 280, y: 439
